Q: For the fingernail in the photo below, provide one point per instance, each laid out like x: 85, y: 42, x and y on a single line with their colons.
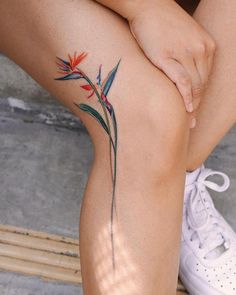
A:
x: 190, y: 107
x: 193, y: 123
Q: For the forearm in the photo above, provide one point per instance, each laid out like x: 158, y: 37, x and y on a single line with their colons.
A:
x: 129, y: 8
x: 123, y: 7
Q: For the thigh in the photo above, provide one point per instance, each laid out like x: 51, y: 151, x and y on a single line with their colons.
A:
x: 151, y: 118
x: 219, y: 20
x: 35, y: 32
x: 217, y: 111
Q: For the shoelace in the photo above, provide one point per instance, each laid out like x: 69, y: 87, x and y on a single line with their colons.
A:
x: 210, y: 231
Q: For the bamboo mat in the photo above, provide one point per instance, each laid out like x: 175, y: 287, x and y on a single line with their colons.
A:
x: 44, y: 255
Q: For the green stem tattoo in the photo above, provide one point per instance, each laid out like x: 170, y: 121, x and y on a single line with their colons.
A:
x: 70, y: 71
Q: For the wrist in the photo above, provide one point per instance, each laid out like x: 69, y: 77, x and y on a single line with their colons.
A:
x: 136, y: 7
x: 122, y: 7
x: 129, y: 9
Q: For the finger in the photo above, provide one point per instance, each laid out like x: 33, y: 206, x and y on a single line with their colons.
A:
x: 210, y: 64
x: 193, y: 123
x: 200, y: 59
x: 176, y: 72
x: 204, y: 60
x: 196, y: 103
x: 211, y: 54
x: 197, y: 86
x: 202, y: 66
x: 192, y: 120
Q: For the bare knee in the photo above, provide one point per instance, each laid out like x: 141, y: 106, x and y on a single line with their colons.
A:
x: 154, y: 132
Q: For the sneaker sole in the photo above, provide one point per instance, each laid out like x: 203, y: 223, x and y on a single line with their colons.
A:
x: 190, y: 289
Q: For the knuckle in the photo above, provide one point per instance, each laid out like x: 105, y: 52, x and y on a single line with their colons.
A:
x: 212, y: 46
x: 197, y: 91
x: 201, y: 48
x: 156, y: 60
x: 188, y: 97
x: 184, y: 80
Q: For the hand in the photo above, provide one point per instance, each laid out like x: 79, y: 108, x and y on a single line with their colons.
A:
x: 176, y: 44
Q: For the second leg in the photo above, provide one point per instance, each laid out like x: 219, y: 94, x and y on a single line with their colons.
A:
x: 217, y: 112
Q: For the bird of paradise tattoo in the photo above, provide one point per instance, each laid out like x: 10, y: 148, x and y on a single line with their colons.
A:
x: 69, y: 69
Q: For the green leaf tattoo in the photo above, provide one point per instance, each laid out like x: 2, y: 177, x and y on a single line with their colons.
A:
x: 70, y: 71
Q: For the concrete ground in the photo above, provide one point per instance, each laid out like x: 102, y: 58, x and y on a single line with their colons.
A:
x: 45, y: 155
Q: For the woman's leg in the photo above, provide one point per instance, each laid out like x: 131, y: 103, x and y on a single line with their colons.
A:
x: 217, y: 112
x: 206, y: 237
x: 152, y: 141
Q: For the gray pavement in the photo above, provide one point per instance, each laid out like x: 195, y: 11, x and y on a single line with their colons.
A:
x: 45, y: 155
x: 14, y: 284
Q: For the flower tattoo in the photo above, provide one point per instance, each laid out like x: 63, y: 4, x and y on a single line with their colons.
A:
x: 69, y: 69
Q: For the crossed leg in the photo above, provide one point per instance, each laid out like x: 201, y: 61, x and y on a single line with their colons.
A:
x: 217, y: 112
x: 152, y: 141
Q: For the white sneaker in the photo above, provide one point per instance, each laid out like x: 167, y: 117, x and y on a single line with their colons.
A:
x: 208, y: 249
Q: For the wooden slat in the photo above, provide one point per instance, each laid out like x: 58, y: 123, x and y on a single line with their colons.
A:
x: 41, y: 270
x: 45, y: 255
x: 38, y: 234
x: 39, y: 256
x: 28, y: 241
